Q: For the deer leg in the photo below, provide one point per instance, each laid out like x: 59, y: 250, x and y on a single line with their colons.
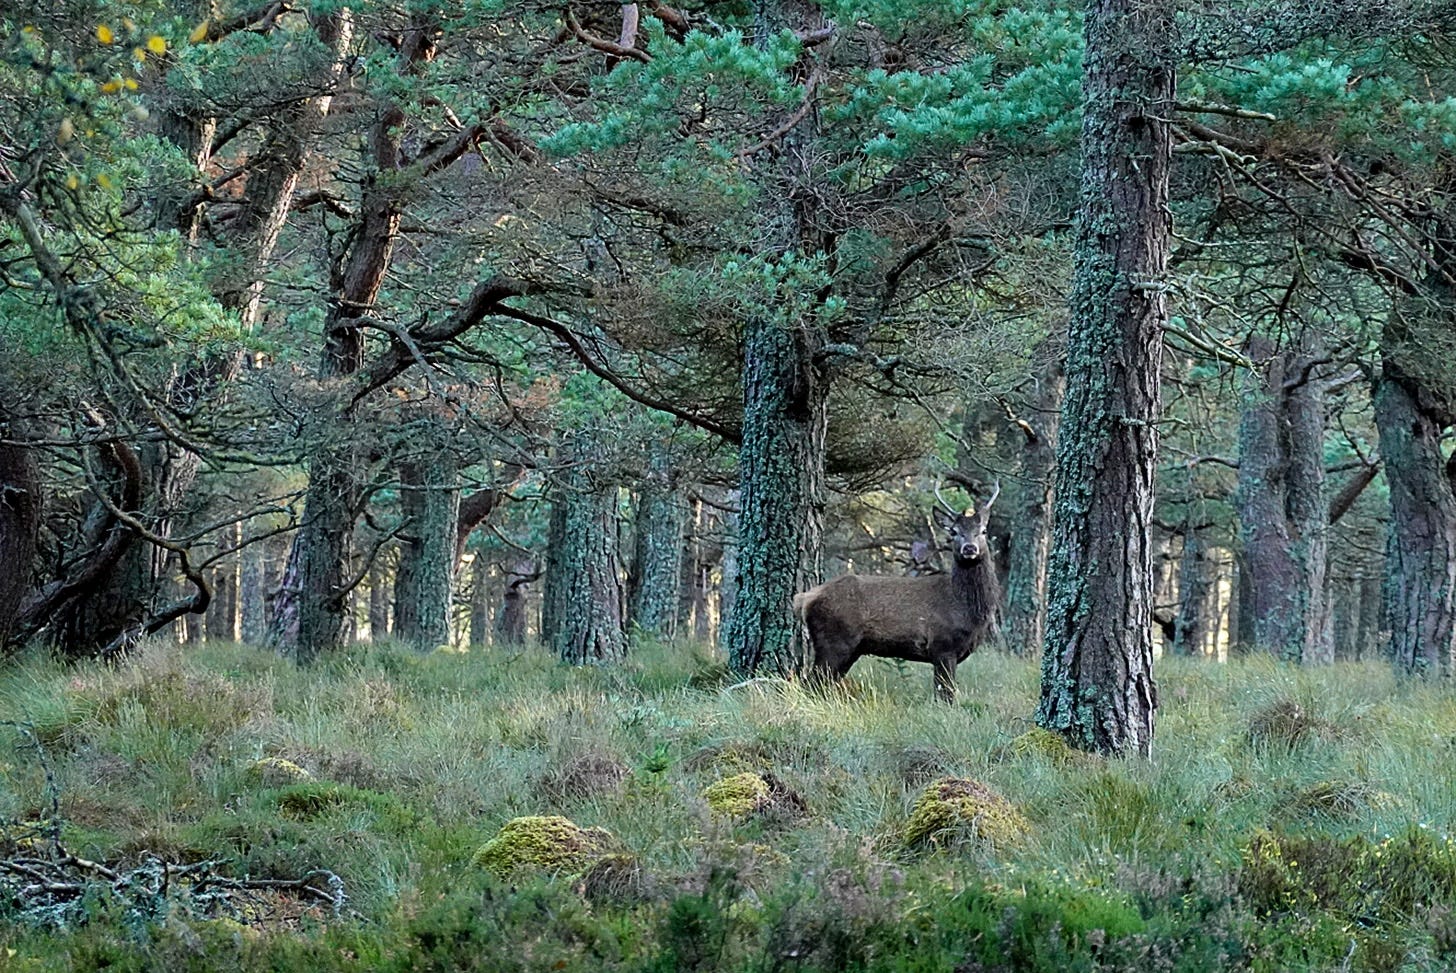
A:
x: 945, y: 670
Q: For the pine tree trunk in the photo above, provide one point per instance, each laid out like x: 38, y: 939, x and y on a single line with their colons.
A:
x: 1282, y: 512
x: 781, y: 477
x: 309, y: 611
x: 587, y: 599
x: 253, y: 593
x: 1031, y: 541
x: 20, y: 516
x: 1195, y: 597
x: 380, y: 590
x: 1097, y: 686
x: 1421, y: 562
x: 657, y: 558
x: 480, y: 599
x: 424, y: 582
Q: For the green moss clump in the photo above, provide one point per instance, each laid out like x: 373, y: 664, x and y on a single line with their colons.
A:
x: 737, y: 796
x: 956, y: 808
x: 1040, y: 742
x: 275, y: 772
x: 547, y: 842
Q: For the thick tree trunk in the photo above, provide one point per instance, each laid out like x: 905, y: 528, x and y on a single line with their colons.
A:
x: 20, y: 515
x: 424, y: 583
x: 781, y: 476
x: 1031, y: 541
x: 587, y: 596
x: 1283, y: 518
x: 1421, y: 563
x: 1367, y: 638
x: 657, y: 558
x: 1097, y: 686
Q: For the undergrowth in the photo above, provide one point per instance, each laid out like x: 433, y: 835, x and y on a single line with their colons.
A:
x: 1290, y: 819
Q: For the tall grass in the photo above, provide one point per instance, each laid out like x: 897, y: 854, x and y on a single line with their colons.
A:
x: 416, y: 761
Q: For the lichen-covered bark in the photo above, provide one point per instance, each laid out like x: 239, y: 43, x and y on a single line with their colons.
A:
x: 585, y: 572
x: 1097, y: 686
x: 1421, y: 558
x: 1282, y: 512
x: 429, y: 501
x: 781, y: 476
x: 657, y: 558
x: 1031, y: 540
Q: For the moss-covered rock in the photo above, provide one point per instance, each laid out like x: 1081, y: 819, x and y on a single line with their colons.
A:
x: 956, y: 809
x: 275, y: 772
x: 738, y: 796
x: 547, y: 842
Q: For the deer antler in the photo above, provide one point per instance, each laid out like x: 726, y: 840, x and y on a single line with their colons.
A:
x: 945, y: 504
x: 995, y: 492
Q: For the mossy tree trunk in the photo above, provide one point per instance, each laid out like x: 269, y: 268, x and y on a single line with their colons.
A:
x: 785, y: 407
x: 657, y: 558
x: 1097, y: 686
x: 253, y: 593
x: 781, y: 477
x: 1421, y: 560
x: 424, y: 581
x: 584, y: 571
x: 1282, y: 511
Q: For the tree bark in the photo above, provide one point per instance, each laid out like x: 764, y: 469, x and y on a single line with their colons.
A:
x: 1097, y: 687
x: 1420, y: 582
x: 657, y: 558
x: 480, y: 598
x: 20, y: 515
x: 424, y: 582
x: 1283, y: 517
x: 253, y: 593
x: 1031, y: 541
x: 588, y: 599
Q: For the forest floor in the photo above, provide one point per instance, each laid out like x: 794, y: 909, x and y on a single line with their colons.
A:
x: 218, y: 809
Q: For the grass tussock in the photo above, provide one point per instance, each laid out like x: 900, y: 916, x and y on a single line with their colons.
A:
x: 677, y: 820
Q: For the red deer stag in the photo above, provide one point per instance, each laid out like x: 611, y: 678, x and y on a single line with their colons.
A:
x: 938, y: 619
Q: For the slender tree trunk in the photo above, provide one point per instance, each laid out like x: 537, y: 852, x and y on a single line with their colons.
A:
x: 379, y: 597
x: 424, y: 582
x: 480, y: 599
x: 1367, y: 638
x: 1031, y: 541
x: 657, y: 559
x: 1097, y: 686
x: 253, y: 593
x: 1195, y: 597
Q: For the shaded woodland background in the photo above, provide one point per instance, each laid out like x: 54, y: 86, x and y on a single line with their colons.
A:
x: 480, y: 324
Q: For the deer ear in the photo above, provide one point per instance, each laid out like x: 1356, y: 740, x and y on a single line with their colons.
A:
x: 944, y: 518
